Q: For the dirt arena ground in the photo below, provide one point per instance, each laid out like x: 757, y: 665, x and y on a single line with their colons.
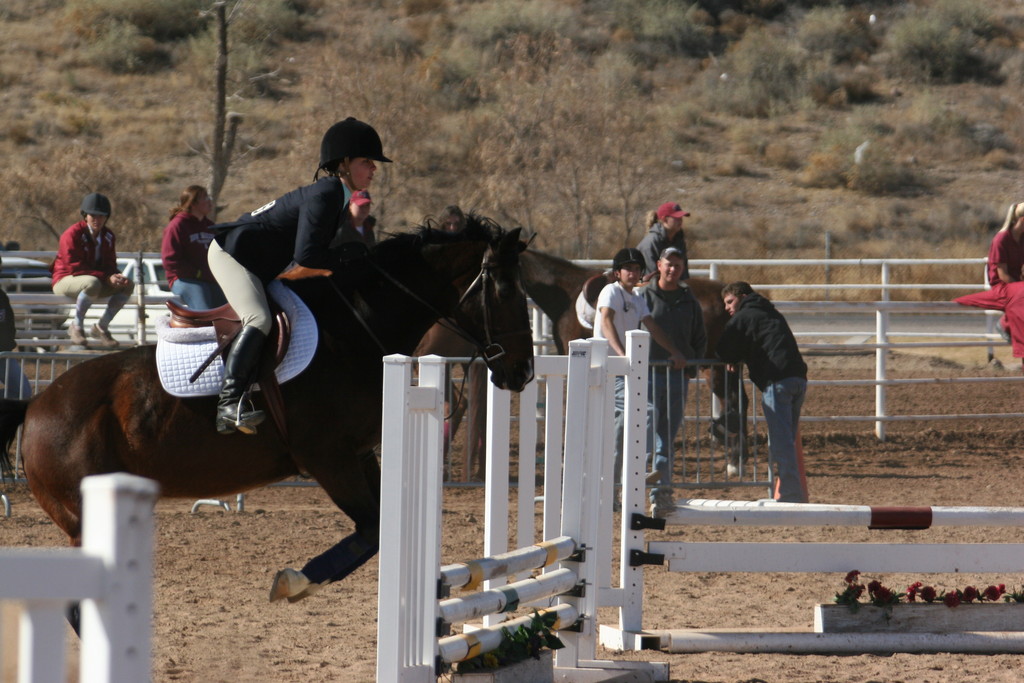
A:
x: 213, y: 569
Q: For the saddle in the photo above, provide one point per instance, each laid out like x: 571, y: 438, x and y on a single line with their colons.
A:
x: 586, y: 301
x: 227, y: 324
x: 593, y: 286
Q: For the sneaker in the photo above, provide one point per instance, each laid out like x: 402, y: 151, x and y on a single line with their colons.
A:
x: 76, y: 334
x: 1003, y: 332
x: 103, y: 335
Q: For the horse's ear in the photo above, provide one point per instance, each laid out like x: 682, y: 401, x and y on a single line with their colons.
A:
x: 524, y: 245
x: 511, y: 238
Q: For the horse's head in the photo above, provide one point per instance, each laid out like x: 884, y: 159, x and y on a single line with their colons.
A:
x: 492, y: 309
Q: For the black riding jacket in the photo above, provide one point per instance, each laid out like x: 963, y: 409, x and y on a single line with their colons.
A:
x: 296, y: 227
x: 759, y: 336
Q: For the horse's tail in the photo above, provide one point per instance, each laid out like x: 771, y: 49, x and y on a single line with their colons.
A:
x: 12, y: 414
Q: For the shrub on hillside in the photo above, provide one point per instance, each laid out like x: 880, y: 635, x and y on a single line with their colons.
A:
x: 877, y: 173
x: 931, y: 45
x: 669, y: 27
x: 759, y: 77
x: 121, y: 48
x: 837, y: 35
x: 156, y: 19
x: 487, y: 23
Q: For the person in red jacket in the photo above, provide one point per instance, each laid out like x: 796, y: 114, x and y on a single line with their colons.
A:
x: 1005, y: 279
x: 85, y: 269
x: 183, y: 250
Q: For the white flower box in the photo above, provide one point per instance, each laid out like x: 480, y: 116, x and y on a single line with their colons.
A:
x: 918, y: 617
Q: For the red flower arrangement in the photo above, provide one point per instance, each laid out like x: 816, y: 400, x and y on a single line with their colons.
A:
x: 880, y: 596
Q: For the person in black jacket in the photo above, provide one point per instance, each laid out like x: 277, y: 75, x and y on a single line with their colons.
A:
x: 295, y: 229
x: 759, y: 336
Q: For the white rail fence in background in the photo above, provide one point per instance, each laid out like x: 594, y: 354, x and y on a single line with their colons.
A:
x: 110, y: 575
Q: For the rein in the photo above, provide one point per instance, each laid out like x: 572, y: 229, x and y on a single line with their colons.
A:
x: 488, y: 349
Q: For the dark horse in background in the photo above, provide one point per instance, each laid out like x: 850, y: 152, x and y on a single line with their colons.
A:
x: 110, y: 414
x: 554, y: 285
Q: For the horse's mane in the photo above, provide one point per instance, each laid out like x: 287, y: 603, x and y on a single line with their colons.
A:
x: 478, y: 229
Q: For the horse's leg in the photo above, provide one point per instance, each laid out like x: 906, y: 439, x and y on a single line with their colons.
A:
x: 455, y: 412
x: 359, y: 498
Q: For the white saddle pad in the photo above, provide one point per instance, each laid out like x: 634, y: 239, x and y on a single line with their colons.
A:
x: 180, y: 351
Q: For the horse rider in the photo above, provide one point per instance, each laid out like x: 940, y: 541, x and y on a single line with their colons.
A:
x: 296, y: 228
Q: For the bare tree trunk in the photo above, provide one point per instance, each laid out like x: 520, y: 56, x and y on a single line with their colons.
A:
x: 225, y: 126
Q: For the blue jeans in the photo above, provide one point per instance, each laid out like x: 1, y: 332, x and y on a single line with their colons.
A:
x: 620, y: 424
x: 16, y: 385
x: 198, y: 295
x: 782, y: 402
x: 668, y: 389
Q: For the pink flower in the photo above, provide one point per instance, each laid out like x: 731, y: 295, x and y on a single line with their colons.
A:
x: 928, y: 594
x: 970, y: 594
x: 852, y: 576
x: 951, y: 599
x: 912, y: 590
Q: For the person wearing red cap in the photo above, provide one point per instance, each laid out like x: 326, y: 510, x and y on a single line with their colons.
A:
x: 356, y: 226
x: 665, y: 229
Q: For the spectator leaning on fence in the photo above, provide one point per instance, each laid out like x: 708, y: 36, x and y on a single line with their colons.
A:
x: 677, y: 311
x: 85, y: 269
x: 759, y: 336
x: 1006, y: 290
x: 620, y: 309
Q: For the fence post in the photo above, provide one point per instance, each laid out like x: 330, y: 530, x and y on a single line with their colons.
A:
x: 410, y: 558
x: 116, y: 629
x: 882, y: 338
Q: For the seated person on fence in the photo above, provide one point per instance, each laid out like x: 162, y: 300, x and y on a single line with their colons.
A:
x: 85, y: 269
x: 620, y: 309
x: 183, y: 250
x: 758, y: 335
x: 1006, y: 290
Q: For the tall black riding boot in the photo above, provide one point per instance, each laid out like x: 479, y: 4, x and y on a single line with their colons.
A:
x: 234, y: 410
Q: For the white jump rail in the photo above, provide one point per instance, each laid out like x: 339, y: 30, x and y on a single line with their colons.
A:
x: 409, y: 608
x: 757, y: 557
x: 111, y: 575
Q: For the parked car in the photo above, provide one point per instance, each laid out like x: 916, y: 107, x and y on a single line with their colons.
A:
x: 24, y: 276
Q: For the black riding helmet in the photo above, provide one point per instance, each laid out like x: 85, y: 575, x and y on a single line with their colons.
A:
x: 628, y: 255
x: 95, y: 204
x: 349, y: 139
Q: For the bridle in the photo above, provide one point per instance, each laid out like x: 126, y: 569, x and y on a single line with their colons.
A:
x: 490, y: 349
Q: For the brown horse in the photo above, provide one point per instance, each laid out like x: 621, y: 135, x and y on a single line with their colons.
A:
x: 110, y: 414
x: 554, y: 284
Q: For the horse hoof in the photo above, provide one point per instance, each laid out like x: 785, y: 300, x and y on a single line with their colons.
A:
x: 288, y: 583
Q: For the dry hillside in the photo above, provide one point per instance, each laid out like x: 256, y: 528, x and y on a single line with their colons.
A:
x: 571, y: 117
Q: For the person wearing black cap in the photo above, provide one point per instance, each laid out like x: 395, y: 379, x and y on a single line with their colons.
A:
x: 665, y: 229
x: 620, y: 309
x: 85, y: 269
x: 294, y: 230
